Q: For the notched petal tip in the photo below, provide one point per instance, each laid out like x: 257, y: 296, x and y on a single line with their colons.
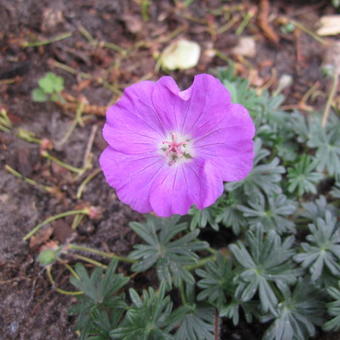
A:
x: 168, y: 83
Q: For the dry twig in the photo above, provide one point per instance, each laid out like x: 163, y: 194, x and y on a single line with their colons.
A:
x: 262, y: 20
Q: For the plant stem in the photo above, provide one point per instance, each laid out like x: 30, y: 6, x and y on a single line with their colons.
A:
x: 101, y: 253
x: 88, y: 179
x: 200, y: 263
x: 330, y: 99
x: 28, y: 136
x: 53, y: 218
x: 46, y: 42
x: 70, y: 69
x: 76, y: 221
x: 5, y: 122
x: 221, y: 55
x: 62, y: 164
x: 113, y: 47
x: 306, y: 30
x: 72, y: 271
x: 29, y: 180
x: 77, y: 119
x: 86, y: 34
x: 88, y: 260
x: 246, y: 20
x: 217, y: 328
x: 182, y: 293
x: 145, y: 9
x: 61, y: 291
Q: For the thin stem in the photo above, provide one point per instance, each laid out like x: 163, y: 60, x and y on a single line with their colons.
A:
x: 229, y: 25
x: 53, y: 218
x: 8, y: 81
x: 28, y: 136
x: 221, y: 55
x: 62, y: 164
x: 77, y: 119
x: 88, y: 179
x: 72, y: 271
x: 86, y: 34
x: 306, y: 30
x: 46, y: 42
x: 87, y: 160
x: 330, y: 99
x: 201, y: 262
x: 5, y: 122
x: 245, y: 22
x: 101, y: 253
x: 88, y: 260
x: 113, y: 47
x: 182, y: 293
x: 59, y: 290
x: 217, y: 327
x: 76, y: 221
x: 70, y: 69
x: 28, y: 180
x: 212, y: 251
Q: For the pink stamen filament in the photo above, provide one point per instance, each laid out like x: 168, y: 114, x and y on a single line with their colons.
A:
x: 174, y: 147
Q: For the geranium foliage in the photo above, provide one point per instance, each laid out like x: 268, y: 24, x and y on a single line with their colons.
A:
x: 274, y: 258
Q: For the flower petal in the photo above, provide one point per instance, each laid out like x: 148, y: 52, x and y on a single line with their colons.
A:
x: 230, y: 146
x: 203, y: 104
x: 131, y: 176
x: 219, y: 135
x: 132, y: 124
x: 169, y: 103
x: 179, y: 187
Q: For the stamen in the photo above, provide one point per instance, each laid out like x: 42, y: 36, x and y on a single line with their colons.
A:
x: 177, y: 149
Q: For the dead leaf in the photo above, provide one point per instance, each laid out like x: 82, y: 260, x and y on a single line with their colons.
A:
x: 329, y: 25
x: 62, y: 231
x: 332, y: 56
x: 246, y: 47
x: 51, y: 18
x: 41, y: 237
x: 181, y: 54
x: 133, y: 23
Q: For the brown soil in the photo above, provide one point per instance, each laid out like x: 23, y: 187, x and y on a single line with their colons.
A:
x: 30, y: 308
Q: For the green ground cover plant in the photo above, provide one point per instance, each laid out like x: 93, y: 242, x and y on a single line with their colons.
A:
x: 282, y: 269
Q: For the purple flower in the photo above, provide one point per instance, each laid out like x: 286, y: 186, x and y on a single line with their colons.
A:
x: 171, y: 149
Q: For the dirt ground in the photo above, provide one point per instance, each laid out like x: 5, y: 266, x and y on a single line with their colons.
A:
x: 97, y: 71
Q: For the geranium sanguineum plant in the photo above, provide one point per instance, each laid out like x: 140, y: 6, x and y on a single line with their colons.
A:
x: 169, y: 150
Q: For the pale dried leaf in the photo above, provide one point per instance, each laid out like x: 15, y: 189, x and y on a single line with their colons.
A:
x: 329, y: 25
x: 181, y: 54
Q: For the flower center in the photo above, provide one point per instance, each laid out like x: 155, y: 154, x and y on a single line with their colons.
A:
x: 176, y: 148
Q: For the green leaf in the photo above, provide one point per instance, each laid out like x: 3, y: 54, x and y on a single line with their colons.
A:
x: 165, y: 249
x: 271, y: 214
x: 202, y: 218
x: 150, y: 317
x: 264, y: 178
x: 336, y: 191
x: 323, y: 247
x: 267, y: 264
x: 229, y: 214
x: 38, y: 95
x: 216, y: 281
x: 302, y: 178
x: 317, y: 209
x: 333, y: 309
x: 297, y: 314
x: 51, y: 83
x: 98, y: 286
x: 197, y: 324
x: 101, y: 308
x: 324, y: 140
